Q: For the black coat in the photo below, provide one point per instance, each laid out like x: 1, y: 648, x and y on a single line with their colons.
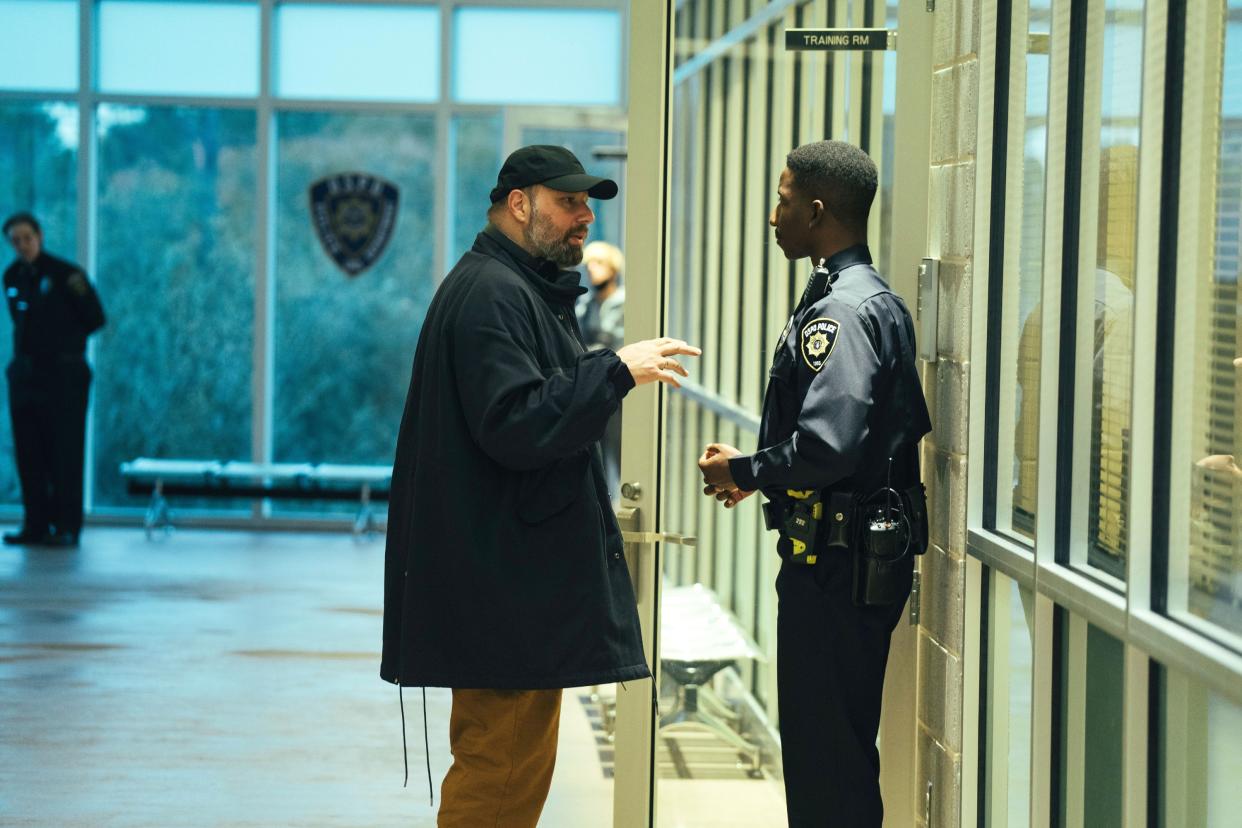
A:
x: 504, y: 564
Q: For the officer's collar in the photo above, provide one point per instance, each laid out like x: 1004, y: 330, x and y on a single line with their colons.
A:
x: 822, y: 276
x: 850, y: 256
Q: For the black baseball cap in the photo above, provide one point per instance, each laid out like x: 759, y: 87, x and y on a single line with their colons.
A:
x: 551, y: 166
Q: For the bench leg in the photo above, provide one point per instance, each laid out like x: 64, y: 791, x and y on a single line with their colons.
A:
x: 157, y: 516
x: 364, y: 523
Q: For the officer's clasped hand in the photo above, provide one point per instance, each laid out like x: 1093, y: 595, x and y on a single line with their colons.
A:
x: 651, y: 360
x: 717, y: 478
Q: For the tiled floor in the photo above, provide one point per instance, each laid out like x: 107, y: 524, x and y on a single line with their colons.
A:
x: 230, y: 679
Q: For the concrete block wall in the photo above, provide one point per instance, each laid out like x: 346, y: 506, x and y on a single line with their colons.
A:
x: 955, y: 111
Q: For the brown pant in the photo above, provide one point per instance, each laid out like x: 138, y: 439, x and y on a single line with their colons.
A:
x: 504, y: 750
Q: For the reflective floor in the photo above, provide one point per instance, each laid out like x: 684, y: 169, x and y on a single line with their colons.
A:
x: 231, y: 679
x: 208, y: 679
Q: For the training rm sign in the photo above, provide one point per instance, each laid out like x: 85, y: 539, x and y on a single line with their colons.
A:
x: 839, y: 40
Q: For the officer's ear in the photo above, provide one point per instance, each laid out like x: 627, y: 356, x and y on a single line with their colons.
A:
x: 818, y: 211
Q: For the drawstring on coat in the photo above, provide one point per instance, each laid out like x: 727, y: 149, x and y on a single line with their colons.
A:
x: 405, y: 754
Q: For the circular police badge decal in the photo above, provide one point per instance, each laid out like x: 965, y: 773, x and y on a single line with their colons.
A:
x: 818, y: 338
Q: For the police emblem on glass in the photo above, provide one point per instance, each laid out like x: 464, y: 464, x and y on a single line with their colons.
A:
x: 354, y: 215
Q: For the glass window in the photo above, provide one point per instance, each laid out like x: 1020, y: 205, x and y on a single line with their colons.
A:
x: 1200, y: 761
x: 38, y: 173
x: 39, y: 44
x: 1017, y: 483
x: 1090, y: 737
x: 1010, y: 650
x: 344, y: 344
x: 179, y: 48
x: 176, y: 275
x: 359, y: 52
x: 1111, y: 287
x: 477, y: 156
x: 567, y: 56
x: 1206, y: 554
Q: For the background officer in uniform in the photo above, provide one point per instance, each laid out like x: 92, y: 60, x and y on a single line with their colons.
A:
x: 54, y: 309
x: 842, y: 417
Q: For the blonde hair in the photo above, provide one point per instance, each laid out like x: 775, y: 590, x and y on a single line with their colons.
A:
x: 609, y: 254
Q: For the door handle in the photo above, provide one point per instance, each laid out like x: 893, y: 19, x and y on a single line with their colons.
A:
x: 659, y: 537
x: 633, y: 538
x: 628, y: 516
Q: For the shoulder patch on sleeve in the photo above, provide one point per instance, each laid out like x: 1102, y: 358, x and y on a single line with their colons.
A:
x: 819, y: 337
x: 77, y: 283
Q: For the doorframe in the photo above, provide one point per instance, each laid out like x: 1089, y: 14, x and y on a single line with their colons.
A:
x: 646, y: 211
x: 911, y: 158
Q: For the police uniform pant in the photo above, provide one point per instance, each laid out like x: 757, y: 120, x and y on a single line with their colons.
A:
x: 504, y: 749
x: 831, y: 657
x: 47, y: 406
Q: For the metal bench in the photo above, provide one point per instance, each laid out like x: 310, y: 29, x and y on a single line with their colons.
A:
x: 698, y: 638
x: 254, y: 481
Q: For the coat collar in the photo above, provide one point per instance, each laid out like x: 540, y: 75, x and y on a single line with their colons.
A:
x: 555, y: 285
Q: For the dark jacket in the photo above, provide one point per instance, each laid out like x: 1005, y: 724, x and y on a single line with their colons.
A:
x: 504, y: 564
x: 844, y: 393
x: 53, y: 306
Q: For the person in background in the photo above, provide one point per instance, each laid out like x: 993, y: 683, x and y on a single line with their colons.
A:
x: 601, y: 316
x: 54, y: 309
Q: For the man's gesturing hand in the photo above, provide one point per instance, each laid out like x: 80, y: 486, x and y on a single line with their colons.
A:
x: 652, y: 360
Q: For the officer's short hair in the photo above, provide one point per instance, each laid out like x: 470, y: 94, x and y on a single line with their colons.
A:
x: 840, y: 175
x: 22, y: 218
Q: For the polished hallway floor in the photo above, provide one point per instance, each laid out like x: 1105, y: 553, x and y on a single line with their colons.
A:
x: 208, y: 679
x: 231, y: 679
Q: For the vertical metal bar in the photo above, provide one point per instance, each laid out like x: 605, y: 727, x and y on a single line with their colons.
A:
x: 912, y: 160
x: 1135, y: 737
x: 996, y: 257
x: 1073, y: 218
x: 634, y: 801
x: 444, y: 135
x: 262, y: 385
x: 1045, y: 713
x: 87, y: 177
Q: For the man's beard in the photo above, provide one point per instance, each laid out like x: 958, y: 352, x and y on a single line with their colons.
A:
x: 543, y: 243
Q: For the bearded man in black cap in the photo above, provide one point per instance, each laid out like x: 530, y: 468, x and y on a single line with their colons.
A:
x: 505, y: 578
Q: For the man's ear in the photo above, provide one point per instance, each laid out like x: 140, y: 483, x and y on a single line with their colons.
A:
x: 519, y: 205
x: 818, y: 211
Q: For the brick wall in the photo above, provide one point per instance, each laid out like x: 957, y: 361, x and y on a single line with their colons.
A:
x: 955, y: 91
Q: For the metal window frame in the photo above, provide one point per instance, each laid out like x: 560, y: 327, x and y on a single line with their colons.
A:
x: 1183, y: 653
x: 267, y: 106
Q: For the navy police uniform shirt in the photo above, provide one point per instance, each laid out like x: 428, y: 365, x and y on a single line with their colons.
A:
x: 843, y: 392
x: 54, y: 308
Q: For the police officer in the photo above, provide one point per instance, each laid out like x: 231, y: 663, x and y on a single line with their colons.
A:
x: 838, y: 463
x: 54, y: 308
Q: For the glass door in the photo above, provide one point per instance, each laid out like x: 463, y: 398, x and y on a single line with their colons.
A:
x: 717, y: 102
